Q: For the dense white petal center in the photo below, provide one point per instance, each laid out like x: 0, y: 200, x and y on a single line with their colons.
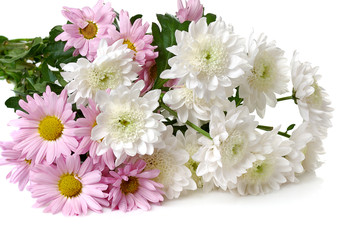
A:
x: 104, y: 77
x: 264, y: 72
x: 163, y: 161
x: 260, y: 172
x: 234, y: 148
x: 208, y: 57
x: 126, y: 125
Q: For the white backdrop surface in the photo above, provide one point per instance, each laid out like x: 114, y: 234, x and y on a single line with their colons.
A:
x: 325, y: 206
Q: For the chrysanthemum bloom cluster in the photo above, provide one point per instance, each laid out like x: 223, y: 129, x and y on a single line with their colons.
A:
x: 142, y: 117
x: 48, y: 147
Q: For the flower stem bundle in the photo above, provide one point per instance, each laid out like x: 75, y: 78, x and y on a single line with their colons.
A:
x: 116, y: 113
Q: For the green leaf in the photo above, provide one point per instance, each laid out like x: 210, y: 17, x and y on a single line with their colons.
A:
x: 60, y: 79
x: 54, y: 32
x: 163, y: 39
x: 13, y: 102
x: 290, y: 127
x: 46, y: 74
x: 135, y: 17
x: 54, y: 52
x: 3, y: 38
x: 40, y: 87
x: 211, y: 18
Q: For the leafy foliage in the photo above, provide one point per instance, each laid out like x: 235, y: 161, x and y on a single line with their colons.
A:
x: 54, y: 52
x: 290, y: 127
x: 210, y: 18
x: 163, y: 39
x: 32, y: 64
x: 237, y: 100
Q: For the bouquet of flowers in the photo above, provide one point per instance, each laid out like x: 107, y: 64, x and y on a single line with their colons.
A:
x: 112, y: 116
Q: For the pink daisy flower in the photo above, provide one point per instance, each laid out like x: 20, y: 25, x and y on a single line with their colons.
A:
x: 148, y: 74
x: 132, y: 188
x: 136, y: 38
x: 20, y: 173
x: 193, y: 11
x: 85, y: 126
x: 68, y: 187
x: 88, y: 26
x: 46, y: 129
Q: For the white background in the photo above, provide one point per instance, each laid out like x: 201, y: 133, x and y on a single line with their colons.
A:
x: 326, y: 33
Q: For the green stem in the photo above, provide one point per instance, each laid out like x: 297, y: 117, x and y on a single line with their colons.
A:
x: 268, y: 128
x: 192, y: 125
x: 22, y: 44
x: 11, y: 46
x: 292, y: 97
x: 284, y: 98
x: 22, y: 40
x: 265, y: 128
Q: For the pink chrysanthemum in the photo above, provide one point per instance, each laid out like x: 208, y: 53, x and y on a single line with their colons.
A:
x: 20, y: 173
x: 193, y: 11
x: 46, y: 128
x: 88, y: 26
x: 85, y: 126
x: 68, y: 187
x: 136, y: 38
x: 132, y: 188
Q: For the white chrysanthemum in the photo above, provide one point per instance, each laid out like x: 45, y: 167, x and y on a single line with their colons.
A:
x: 170, y: 161
x: 189, y: 106
x: 312, y: 99
x: 305, y: 152
x: 269, y: 170
x: 300, y: 138
x: 268, y: 76
x: 113, y: 66
x: 312, y: 153
x: 189, y: 142
x: 127, y: 123
x: 230, y: 152
x: 207, y: 59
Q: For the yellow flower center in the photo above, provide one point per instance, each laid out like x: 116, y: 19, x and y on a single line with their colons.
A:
x: 28, y: 161
x: 130, y: 186
x: 90, y: 31
x: 69, y: 186
x: 50, y: 128
x: 130, y: 45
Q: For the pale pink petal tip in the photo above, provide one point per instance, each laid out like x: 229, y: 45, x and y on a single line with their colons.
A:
x: 193, y: 11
